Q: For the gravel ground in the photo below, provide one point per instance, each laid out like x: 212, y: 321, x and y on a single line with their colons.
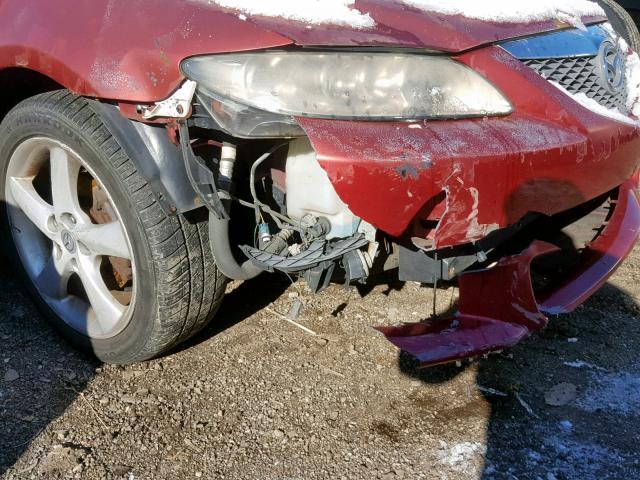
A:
x: 255, y: 397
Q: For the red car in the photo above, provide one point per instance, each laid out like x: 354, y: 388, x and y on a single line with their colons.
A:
x: 152, y: 149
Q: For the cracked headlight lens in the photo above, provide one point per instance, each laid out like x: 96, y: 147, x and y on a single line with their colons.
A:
x: 348, y: 85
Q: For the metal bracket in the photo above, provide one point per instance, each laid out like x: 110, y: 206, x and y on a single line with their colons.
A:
x: 417, y: 266
x: 177, y: 105
x: 201, y: 176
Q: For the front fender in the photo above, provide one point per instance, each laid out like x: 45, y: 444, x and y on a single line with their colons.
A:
x: 120, y: 49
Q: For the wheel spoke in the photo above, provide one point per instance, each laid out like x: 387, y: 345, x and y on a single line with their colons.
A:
x: 64, y: 184
x: 62, y: 249
x: 106, y: 308
x: 32, y: 204
x: 105, y: 239
x: 54, y: 277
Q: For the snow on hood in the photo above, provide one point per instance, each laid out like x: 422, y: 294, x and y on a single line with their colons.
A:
x: 439, y: 25
x: 513, y: 11
x: 347, y: 13
x: 336, y: 12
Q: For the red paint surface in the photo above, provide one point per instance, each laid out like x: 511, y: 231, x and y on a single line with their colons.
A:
x: 119, y: 49
x: 603, y: 256
x: 444, y: 341
x: 550, y: 155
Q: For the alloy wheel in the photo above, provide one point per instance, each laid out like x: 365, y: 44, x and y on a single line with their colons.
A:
x: 70, y: 237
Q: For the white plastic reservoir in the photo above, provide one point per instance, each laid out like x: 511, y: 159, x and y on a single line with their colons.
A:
x: 309, y: 191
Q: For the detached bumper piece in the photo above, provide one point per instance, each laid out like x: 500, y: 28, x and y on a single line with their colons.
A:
x: 497, y: 310
x: 498, y: 307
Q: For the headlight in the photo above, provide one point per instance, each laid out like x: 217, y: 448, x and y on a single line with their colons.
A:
x: 349, y: 85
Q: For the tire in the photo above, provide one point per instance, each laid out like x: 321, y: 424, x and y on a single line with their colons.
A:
x: 175, y: 287
x: 622, y: 23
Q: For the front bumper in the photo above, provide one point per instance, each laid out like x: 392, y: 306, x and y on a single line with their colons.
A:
x: 498, y: 307
x: 549, y: 156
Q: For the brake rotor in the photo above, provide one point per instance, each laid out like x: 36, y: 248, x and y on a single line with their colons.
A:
x: 102, y: 212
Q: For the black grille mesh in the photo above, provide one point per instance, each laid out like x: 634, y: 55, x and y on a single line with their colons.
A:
x: 578, y: 74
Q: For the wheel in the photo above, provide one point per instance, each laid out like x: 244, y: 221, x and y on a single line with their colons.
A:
x: 622, y: 23
x: 105, y: 264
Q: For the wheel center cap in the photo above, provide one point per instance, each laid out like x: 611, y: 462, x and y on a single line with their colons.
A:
x: 68, y: 241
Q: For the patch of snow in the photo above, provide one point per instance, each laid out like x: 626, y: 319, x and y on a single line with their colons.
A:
x: 316, y: 12
x: 491, y: 391
x: 535, y: 456
x: 566, y: 425
x: 508, y: 11
x: 572, y: 340
x: 462, y: 454
x: 576, y: 364
x: 586, y: 461
x: 632, y: 71
x: 633, y: 81
x: 581, y: 364
x: 616, y: 392
x: 594, y: 106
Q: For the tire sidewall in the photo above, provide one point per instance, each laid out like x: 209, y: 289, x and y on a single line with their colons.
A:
x: 39, y: 121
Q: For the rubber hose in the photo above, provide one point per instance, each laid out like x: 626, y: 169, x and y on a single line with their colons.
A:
x: 223, y: 255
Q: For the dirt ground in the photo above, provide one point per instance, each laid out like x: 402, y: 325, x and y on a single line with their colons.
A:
x: 256, y: 397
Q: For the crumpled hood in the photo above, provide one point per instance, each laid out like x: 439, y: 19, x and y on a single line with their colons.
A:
x: 396, y: 24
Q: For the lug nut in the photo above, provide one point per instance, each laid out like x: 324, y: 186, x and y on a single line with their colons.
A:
x: 52, y: 223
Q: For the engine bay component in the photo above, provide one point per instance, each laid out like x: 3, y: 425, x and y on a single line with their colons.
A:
x: 418, y: 266
x: 242, y: 121
x: 201, y: 176
x: 317, y: 253
x: 356, y: 266
x: 310, y: 192
x: 226, y: 166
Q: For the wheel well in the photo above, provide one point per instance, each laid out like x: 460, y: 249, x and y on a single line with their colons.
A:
x: 17, y: 84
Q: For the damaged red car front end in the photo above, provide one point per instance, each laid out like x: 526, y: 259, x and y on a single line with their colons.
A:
x: 444, y: 185
x: 499, y: 154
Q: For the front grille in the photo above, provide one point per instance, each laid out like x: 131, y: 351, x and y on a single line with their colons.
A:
x: 578, y: 74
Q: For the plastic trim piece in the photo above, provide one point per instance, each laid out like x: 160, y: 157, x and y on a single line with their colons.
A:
x: 562, y: 44
x: 200, y: 176
x: 157, y: 159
